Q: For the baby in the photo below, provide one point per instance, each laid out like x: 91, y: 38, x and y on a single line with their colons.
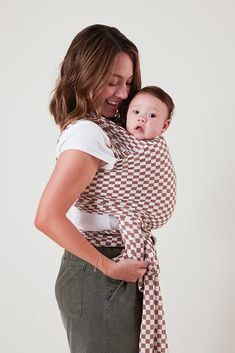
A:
x: 149, y: 113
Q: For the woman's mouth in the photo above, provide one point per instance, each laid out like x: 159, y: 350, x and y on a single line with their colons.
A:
x: 113, y: 102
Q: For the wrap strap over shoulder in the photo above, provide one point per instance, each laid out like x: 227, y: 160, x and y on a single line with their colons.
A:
x: 141, y: 192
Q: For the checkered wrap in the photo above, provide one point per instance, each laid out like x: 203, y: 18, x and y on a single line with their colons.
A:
x: 140, y: 190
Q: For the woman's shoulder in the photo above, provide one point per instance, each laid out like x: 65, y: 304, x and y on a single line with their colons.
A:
x: 84, y: 125
x: 87, y: 136
x: 81, y: 129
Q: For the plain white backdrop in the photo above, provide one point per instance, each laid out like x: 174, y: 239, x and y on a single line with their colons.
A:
x: 187, y: 48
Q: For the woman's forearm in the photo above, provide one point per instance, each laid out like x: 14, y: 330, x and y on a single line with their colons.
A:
x: 65, y: 234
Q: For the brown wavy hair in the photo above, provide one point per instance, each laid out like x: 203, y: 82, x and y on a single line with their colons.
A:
x: 162, y: 95
x: 85, y: 71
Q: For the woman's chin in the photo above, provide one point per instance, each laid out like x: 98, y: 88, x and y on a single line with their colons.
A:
x: 109, y: 112
x: 108, y: 116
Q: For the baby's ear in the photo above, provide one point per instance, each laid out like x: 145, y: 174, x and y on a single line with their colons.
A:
x: 166, y: 125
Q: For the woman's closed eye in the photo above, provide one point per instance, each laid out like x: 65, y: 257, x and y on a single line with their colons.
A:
x: 113, y: 84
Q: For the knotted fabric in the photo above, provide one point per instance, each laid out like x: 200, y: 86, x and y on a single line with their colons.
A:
x: 140, y: 191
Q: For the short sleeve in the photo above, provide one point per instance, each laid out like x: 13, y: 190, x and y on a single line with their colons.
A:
x: 87, y: 136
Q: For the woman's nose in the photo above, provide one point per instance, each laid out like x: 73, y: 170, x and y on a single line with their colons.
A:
x: 122, y: 92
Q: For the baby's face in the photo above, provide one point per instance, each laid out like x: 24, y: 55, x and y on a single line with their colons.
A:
x: 146, y: 116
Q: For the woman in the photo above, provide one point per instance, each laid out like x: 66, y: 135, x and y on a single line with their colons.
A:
x: 99, y: 74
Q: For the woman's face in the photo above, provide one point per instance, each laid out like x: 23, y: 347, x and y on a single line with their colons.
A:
x: 119, y: 86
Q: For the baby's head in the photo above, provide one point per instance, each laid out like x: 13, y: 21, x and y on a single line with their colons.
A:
x: 149, y: 113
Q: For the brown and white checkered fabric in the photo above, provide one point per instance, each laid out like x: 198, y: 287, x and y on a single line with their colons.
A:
x: 141, y: 191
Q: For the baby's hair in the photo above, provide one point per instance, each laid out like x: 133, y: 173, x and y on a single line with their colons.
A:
x: 162, y: 95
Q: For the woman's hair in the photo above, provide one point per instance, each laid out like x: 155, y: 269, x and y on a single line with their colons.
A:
x: 85, y: 71
x: 162, y: 95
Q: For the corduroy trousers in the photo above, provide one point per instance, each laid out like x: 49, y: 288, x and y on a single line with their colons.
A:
x: 100, y: 314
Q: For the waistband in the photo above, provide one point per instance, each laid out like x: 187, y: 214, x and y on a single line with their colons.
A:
x: 109, y: 252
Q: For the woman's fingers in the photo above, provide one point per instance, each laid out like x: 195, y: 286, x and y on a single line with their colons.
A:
x: 143, y: 264
x: 128, y: 270
x: 142, y: 272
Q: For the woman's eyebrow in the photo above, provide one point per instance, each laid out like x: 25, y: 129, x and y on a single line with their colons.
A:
x: 119, y: 76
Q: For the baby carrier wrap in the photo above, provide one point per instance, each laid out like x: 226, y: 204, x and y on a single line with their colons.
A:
x: 140, y: 191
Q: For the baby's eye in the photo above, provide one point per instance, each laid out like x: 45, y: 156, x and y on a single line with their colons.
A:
x: 135, y: 111
x: 152, y: 115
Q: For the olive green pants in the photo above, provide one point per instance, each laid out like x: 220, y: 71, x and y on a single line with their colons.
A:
x: 100, y: 314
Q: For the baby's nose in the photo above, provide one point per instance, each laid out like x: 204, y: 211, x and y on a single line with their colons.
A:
x: 142, y: 117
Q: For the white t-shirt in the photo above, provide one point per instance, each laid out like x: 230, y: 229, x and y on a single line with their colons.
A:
x: 86, y: 136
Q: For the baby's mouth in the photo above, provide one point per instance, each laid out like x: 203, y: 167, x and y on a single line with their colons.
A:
x: 139, y: 128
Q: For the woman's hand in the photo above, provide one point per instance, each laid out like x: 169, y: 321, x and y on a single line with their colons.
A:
x: 127, y: 270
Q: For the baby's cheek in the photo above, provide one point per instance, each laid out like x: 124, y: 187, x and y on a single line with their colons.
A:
x: 128, y: 124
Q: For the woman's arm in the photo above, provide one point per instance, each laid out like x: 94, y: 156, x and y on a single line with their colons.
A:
x: 73, y: 172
